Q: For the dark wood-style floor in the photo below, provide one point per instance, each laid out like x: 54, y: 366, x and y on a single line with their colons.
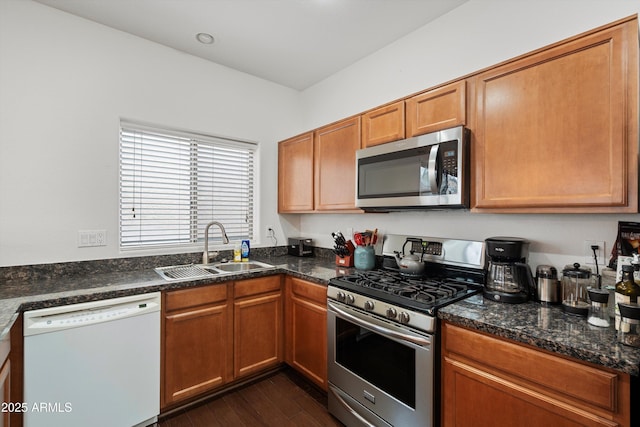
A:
x: 282, y: 399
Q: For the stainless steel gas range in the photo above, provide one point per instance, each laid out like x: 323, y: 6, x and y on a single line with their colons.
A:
x: 382, y: 330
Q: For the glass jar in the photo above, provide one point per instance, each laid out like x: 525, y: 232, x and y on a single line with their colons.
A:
x: 575, y: 282
x: 364, y: 258
x: 629, y: 330
x: 599, y: 308
x: 627, y: 291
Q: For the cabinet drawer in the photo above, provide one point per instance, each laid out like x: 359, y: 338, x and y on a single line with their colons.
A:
x: 261, y: 285
x: 539, y: 369
x: 308, y: 290
x: 185, y: 298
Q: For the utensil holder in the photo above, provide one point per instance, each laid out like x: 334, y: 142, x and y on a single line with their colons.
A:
x: 365, y: 258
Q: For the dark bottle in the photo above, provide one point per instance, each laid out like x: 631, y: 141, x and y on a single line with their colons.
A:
x: 627, y: 291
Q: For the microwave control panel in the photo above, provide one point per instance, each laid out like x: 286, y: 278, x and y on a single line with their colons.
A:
x: 449, y: 159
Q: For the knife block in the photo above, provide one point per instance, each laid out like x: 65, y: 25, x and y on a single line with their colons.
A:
x: 347, y: 260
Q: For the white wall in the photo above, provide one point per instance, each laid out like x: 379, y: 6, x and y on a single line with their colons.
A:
x: 476, y: 35
x: 65, y: 82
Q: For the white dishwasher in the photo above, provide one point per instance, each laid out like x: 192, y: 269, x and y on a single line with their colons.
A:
x: 93, y: 364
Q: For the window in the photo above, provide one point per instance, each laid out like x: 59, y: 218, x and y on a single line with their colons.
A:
x: 173, y: 183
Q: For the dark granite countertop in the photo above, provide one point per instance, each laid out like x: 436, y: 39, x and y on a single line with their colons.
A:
x: 20, y: 294
x: 545, y: 327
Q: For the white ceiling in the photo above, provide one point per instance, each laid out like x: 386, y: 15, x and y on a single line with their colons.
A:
x: 295, y: 43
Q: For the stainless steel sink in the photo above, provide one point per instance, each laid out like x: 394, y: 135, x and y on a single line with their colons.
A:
x: 183, y: 272
x: 238, y: 267
x: 202, y: 271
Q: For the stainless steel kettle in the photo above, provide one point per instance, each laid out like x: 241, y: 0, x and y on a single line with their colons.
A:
x: 411, y: 264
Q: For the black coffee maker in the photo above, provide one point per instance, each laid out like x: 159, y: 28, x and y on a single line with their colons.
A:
x: 509, y: 278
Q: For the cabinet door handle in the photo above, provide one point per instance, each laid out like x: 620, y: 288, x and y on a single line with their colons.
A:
x: 419, y: 341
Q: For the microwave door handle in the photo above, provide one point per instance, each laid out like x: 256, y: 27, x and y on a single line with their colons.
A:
x: 432, y: 168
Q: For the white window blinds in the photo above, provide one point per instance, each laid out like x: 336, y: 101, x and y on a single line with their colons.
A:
x: 173, y: 183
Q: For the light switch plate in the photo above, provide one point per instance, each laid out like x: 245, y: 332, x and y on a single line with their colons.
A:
x: 91, y: 238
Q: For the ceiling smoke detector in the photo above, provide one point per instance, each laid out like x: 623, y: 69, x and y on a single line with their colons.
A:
x: 205, y: 38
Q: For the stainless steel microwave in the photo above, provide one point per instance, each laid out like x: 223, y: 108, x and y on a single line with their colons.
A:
x: 424, y: 172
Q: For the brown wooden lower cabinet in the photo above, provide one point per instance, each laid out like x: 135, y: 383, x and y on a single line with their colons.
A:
x: 258, y: 333
x: 487, y: 381
x: 5, y: 384
x: 306, y: 329
x: 216, y: 334
x: 197, y: 351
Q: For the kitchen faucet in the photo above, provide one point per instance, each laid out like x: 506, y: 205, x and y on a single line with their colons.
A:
x: 225, y: 240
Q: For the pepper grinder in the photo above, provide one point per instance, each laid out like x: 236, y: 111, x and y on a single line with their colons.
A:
x: 598, y: 310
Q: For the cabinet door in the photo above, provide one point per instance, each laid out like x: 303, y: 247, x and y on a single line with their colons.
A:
x: 197, y: 351
x: 258, y: 334
x: 295, y: 174
x: 437, y: 109
x: 384, y: 124
x: 475, y: 398
x: 306, y: 329
x: 5, y: 388
x: 557, y: 129
x: 489, y: 381
x: 335, y: 165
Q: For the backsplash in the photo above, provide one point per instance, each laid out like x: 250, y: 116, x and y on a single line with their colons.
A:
x: 83, y: 268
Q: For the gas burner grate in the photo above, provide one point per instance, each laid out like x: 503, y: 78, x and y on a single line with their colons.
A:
x: 423, y: 290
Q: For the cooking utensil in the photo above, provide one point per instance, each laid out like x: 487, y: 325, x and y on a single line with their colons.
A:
x: 366, y: 238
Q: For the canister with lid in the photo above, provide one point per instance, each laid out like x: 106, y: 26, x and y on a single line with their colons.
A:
x: 575, y: 282
x: 547, y: 285
x: 629, y: 330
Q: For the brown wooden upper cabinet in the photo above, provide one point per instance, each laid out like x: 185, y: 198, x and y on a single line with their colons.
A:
x: 382, y: 125
x: 295, y: 174
x: 557, y: 129
x: 437, y: 109
x: 335, y: 148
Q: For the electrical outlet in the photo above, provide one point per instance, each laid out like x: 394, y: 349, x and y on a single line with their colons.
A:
x: 269, y: 231
x: 600, y: 252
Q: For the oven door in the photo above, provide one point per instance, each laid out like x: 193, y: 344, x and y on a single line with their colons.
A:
x: 379, y: 373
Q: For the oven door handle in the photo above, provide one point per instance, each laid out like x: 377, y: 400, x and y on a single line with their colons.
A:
x: 417, y: 340
x: 349, y: 408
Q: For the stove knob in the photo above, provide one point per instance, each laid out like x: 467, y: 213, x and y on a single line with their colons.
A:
x: 391, y: 313
x: 404, y: 317
x: 350, y: 299
x: 368, y: 305
x: 341, y: 296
